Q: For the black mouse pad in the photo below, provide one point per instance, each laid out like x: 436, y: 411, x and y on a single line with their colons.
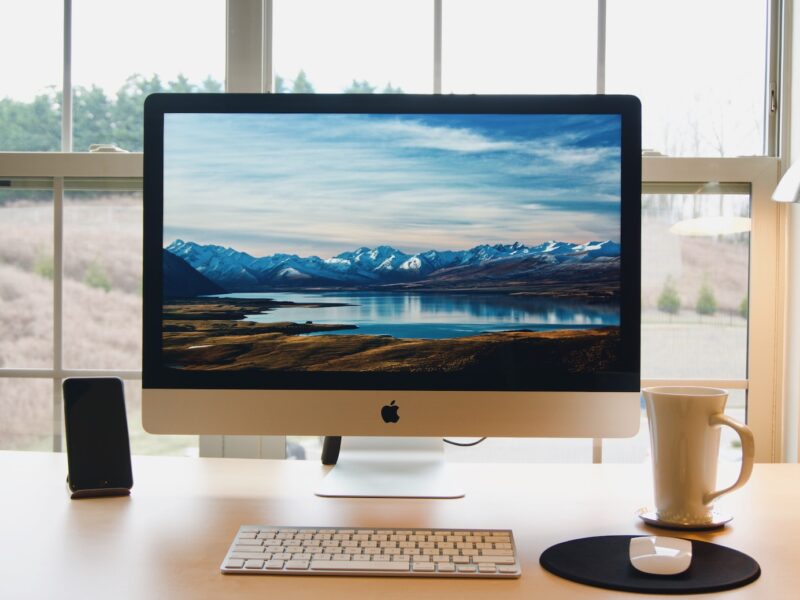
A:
x: 604, y: 562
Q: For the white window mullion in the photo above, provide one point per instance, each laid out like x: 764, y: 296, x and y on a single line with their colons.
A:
x: 244, y: 46
x: 66, y: 88
x: 266, y: 47
x: 601, y: 47
x: 58, y: 306
x: 437, y: 46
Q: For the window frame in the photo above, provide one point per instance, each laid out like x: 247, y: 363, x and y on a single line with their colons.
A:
x: 249, y: 69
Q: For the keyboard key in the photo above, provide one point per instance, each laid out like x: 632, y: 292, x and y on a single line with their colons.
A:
x: 251, y: 555
x: 467, y: 568
x: 274, y: 564
x: 498, y: 552
x: 487, y: 568
x: 446, y: 568
x: 502, y: 569
x: 357, y: 565
x: 234, y: 563
x: 297, y: 565
x: 246, y: 542
x: 497, y: 539
x: 498, y: 560
x: 421, y: 559
x: 427, y: 567
x: 254, y: 564
x: 254, y: 549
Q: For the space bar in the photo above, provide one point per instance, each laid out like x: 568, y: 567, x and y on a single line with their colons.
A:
x: 356, y: 565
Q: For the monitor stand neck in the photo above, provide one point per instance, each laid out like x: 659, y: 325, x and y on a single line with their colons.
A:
x: 390, y: 467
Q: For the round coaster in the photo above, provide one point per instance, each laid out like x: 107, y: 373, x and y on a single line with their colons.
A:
x: 604, y: 562
x: 718, y: 520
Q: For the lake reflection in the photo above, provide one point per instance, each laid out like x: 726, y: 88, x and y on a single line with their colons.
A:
x: 434, y: 315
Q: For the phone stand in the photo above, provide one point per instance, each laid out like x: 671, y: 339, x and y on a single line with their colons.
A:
x: 96, y: 492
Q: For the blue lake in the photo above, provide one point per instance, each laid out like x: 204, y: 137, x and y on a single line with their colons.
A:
x: 434, y: 315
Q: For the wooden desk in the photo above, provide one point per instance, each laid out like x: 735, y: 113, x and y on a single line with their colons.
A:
x: 168, y: 538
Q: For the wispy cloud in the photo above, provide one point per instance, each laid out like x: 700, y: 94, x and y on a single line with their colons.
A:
x: 321, y: 184
x: 413, y: 134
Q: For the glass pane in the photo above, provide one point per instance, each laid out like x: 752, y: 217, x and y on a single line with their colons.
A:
x: 637, y: 448
x: 304, y: 447
x: 695, y: 269
x: 353, y: 46
x: 699, y: 69
x: 543, y: 450
x: 26, y: 273
x: 123, y: 51
x: 102, y: 279
x: 26, y: 406
x: 529, y: 450
x: 730, y: 447
x: 519, y: 46
x: 147, y: 443
x: 31, y: 47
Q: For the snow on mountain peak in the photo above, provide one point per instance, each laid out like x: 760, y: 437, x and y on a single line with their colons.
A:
x: 381, y: 264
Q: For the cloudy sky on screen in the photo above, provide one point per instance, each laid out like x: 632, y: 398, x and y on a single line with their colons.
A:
x: 323, y: 184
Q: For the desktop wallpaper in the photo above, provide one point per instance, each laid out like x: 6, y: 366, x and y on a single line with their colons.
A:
x: 386, y: 243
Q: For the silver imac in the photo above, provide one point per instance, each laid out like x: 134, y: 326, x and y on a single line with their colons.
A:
x: 401, y: 266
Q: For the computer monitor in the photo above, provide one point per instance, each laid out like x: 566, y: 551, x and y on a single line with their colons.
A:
x: 391, y: 265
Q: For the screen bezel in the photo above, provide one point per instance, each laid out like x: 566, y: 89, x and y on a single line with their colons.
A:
x: 157, y: 376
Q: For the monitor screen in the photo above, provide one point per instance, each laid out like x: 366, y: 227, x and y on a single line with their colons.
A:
x: 395, y: 243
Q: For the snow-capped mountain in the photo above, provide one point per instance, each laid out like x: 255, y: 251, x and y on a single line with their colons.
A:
x: 239, y: 271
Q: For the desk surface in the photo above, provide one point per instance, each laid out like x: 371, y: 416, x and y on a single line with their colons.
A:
x: 168, y: 538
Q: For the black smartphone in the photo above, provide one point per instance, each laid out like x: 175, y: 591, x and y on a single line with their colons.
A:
x: 98, y: 449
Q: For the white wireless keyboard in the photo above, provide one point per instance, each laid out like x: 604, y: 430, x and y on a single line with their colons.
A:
x: 264, y: 550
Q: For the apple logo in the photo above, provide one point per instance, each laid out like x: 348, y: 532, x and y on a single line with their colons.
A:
x: 389, y: 413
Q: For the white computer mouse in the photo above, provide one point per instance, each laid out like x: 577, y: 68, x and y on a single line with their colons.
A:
x: 660, y: 555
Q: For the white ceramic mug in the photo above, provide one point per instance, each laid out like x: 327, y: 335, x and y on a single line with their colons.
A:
x: 685, y: 425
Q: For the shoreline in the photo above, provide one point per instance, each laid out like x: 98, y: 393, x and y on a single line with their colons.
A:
x: 200, y: 334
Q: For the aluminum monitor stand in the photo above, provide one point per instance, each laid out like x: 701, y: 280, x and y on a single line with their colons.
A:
x: 390, y: 467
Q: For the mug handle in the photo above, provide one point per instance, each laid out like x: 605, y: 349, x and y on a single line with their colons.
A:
x: 748, y: 453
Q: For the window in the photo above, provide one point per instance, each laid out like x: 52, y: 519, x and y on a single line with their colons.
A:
x: 374, y: 47
x: 30, y: 103
x: 68, y: 223
x: 699, y: 69
x: 122, y: 52
x: 519, y: 47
